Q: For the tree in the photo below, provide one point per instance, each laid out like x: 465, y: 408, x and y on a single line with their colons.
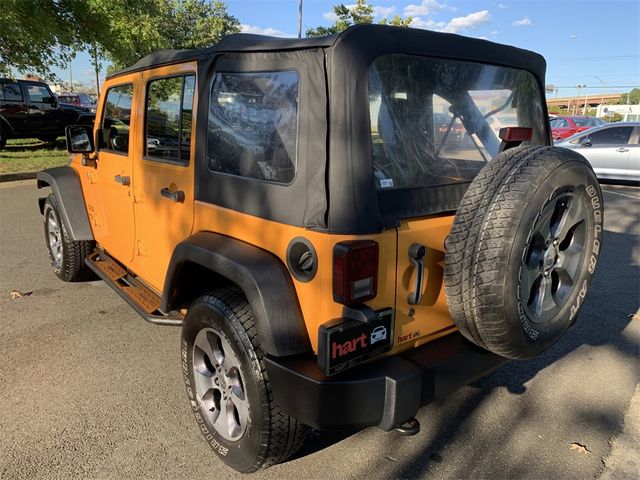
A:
x: 630, y: 98
x: 361, y: 12
x: 39, y: 35
x: 397, y: 21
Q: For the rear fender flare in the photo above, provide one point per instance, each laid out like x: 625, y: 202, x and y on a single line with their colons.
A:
x: 261, y: 276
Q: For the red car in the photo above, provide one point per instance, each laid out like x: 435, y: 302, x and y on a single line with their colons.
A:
x: 565, y: 126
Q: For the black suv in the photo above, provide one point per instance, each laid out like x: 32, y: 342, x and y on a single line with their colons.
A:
x: 29, y: 109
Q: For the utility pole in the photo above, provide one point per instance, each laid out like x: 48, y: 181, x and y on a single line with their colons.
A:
x: 70, y: 78
x: 299, y: 18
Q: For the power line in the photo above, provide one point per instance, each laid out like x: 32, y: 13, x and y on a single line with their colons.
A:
x: 612, y: 57
x: 599, y: 86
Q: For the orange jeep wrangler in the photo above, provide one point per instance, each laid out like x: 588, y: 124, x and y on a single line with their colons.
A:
x: 346, y: 228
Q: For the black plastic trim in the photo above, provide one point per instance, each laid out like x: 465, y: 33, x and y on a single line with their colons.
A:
x: 66, y: 186
x: 261, y: 276
x: 387, y: 392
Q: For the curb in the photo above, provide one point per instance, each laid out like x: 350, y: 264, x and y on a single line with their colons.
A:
x: 14, y: 177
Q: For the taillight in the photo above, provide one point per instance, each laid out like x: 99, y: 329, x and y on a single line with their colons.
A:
x: 516, y: 134
x: 355, y: 271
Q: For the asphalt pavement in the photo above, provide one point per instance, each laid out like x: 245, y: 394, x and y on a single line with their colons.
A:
x: 89, y: 390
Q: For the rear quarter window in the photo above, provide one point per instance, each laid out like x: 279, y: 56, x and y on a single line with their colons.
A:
x: 253, y: 125
x: 10, y: 92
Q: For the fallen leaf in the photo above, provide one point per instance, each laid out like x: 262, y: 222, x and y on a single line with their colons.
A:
x: 17, y: 294
x: 579, y: 448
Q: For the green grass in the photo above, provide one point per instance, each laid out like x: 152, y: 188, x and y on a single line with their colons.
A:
x: 31, y: 155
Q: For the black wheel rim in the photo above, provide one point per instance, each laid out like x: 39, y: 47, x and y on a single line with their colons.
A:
x: 553, y: 257
x: 219, y: 385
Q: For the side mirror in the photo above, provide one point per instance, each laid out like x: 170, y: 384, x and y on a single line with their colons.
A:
x: 49, y: 100
x: 80, y: 139
x: 586, y: 142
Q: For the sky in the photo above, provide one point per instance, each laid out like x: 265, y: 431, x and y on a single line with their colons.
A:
x: 585, y: 42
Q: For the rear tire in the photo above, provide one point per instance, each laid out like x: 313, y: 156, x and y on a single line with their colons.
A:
x: 3, y: 137
x: 523, y: 249
x: 228, y: 387
x: 66, y: 256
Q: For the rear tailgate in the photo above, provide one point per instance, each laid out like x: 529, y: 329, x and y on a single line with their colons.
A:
x: 428, y: 319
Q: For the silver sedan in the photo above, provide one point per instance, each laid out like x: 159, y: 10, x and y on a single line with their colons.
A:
x: 612, y: 149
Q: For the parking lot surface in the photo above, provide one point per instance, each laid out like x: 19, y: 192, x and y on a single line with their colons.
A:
x: 88, y: 390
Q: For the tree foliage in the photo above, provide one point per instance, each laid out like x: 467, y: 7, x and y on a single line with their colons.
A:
x: 630, y: 98
x: 39, y: 35
x: 361, y: 12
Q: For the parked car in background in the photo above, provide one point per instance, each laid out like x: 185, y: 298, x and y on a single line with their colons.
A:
x: 29, y: 109
x: 563, y: 126
x: 612, y: 149
x: 78, y: 99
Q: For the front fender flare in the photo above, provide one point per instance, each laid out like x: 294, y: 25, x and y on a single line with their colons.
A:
x: 65, y: 183
x: 263, y: 278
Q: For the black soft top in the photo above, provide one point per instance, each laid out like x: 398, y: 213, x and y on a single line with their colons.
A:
x: 333, y: 98
x: 359, y: 40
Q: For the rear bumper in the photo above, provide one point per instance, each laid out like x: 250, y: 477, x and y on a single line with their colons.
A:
x: 386, y: 393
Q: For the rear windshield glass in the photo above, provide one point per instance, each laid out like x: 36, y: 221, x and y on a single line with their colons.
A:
x: 436, y: 121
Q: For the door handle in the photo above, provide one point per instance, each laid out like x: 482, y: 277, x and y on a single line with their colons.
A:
x: 177, y: 196
x: 622, y: 149
x: 416, y: 256
x: 122, y: 180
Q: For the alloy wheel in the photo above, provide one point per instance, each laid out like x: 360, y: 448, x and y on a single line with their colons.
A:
x: 219, y: 385
x: 553, y: 258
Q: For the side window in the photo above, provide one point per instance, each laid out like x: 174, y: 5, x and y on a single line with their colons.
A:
x: 253, y: 125
x: 10, y: 92
x: 611, y: 136
x: 168, y: 118
x: 116, y: 117
x: 559, y: 123
x: 37, y: 93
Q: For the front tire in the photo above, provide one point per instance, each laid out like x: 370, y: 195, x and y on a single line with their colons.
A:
x: 66, y: 256
x: 228, y: 387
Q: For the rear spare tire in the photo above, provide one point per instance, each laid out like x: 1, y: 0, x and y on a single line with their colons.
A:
x: 523, y: 248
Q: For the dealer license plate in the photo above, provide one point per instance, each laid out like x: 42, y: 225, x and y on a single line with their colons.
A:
x: 344, y: 343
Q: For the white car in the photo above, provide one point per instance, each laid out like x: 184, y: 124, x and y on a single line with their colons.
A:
x: 612, y: 149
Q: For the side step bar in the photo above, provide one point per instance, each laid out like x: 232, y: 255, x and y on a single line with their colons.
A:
x: 138, y: 296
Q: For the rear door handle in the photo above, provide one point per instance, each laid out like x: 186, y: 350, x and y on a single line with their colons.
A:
x: 622, y: 150
x: 122, y: 180
x: 416, y: 256
x: 177, y: 196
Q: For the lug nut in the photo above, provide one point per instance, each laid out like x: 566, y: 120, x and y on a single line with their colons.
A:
x: 546, y: 273
x: 555, y: 242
